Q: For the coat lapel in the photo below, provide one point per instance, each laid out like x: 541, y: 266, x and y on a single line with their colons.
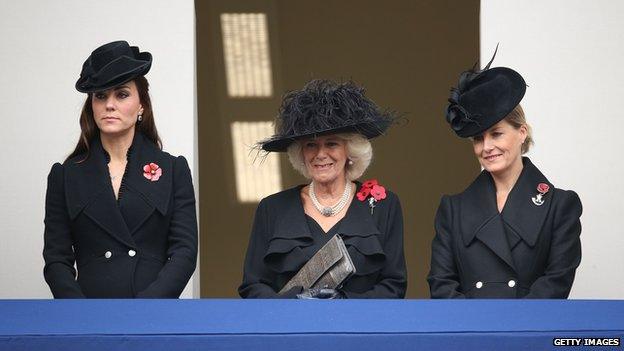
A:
x: 142, y: 195
x: 88, y: 190
x: 521, y: 214
x: 481, y: 219
x: 358, y: 220
x: 292, y: 223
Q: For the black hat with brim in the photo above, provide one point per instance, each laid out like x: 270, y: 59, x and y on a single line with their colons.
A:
x: 111, y: 65
x: 369, y: 130
x: 324, y: 107
x: 483, y: 99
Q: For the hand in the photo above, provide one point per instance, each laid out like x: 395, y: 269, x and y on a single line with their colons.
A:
x: 321, y: 293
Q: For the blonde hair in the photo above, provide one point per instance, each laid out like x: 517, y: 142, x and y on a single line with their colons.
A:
x: 517, y: 119
x: 359, y: 150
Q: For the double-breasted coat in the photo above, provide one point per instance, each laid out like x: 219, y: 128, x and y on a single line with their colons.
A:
x: 143, y: 245
x: 526, y: 251
x: 281, y: 243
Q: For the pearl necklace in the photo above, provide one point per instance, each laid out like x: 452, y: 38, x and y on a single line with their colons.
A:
x: 329, y: 211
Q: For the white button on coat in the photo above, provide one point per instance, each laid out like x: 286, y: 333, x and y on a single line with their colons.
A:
x: 131, y: 253
x: 108, y: 254
x: 479, y: 285
x: 511, y: 283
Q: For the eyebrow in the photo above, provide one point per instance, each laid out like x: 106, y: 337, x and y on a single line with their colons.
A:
x: 122, y: 87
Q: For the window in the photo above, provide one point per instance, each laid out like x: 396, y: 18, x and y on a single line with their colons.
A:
x: 246, y: 54
x: 256, y: 177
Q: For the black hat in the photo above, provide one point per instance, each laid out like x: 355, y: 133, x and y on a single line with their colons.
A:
x: 483, y: 98
x: 325, y: 107
x: 112, y: 64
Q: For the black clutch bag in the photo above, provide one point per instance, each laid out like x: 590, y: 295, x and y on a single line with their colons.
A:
x: 328, y: 268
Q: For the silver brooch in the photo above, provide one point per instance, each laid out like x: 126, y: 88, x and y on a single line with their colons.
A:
x: 542, y: 189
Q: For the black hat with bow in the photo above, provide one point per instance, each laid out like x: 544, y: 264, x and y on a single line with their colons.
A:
x: 483, y: 98
x: 324, y: 107
x: 112, y: 64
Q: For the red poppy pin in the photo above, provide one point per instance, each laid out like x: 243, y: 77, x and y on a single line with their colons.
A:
x: 152, y: 171
x: 372, y: 190
x: 542, y: 189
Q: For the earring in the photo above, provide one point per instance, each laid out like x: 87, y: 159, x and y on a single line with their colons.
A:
x: 140, y: 118
x: 350, y: 162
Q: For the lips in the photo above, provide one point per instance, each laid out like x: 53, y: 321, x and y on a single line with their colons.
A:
x: 323, y: 166
x: 492, y: 157
x: 110, y: 118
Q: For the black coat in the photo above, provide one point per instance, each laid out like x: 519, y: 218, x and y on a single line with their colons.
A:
x: 143, y: 246
x: 526, y: 251
x: 280, y: 237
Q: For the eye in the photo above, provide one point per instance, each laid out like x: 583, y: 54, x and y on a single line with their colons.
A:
x: 496, y: 134
x: 331, y: 144
x: 477, y: 138
x: 310, y: 144
x: 99, y: 96
x: 122, y: 94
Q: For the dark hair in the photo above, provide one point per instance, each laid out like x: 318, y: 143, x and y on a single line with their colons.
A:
x: 89, y: 130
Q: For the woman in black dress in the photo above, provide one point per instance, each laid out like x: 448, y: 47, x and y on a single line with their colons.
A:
x: 325, y: 129
x: 511, y: 233
x: 119, y: 208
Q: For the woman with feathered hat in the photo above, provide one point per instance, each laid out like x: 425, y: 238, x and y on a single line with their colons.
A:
x: 511, y: 233
x: 325, y: 129
x: 119, y: 208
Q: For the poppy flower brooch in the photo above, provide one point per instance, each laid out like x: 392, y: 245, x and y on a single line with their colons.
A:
x: 542, y: 189
x: 152, y: 171
x: 372, y: 192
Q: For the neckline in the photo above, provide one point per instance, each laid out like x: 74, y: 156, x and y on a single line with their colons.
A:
x: 511, y: 191
x: 349, y: 208
x: 325, y: 233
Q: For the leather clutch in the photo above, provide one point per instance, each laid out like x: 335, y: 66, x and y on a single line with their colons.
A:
x: 328, y: 268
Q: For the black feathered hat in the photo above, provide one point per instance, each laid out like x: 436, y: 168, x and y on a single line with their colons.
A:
x: 483, y: 98
x: 325, y: 107
x: 112, y: 64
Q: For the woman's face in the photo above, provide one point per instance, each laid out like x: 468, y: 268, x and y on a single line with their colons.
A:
x: 116, y: 110
x: 500, y: 146
x: 325, y: 158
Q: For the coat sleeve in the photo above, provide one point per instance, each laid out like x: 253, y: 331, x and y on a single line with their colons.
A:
x: 444, y: 275
x: 393, y: 280
x: 182, y: 240
x: 58, y: 250
x: 565, y: 251
x: 257, y: 278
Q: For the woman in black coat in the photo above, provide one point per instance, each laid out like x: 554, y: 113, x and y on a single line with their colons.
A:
x: 119, y: 208
x: 325, y: 129
x: 511, y: 233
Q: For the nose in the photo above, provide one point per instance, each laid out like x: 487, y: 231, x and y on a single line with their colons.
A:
x: 322, y: 153
x: 110, y: 102
x: 488, y: 144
